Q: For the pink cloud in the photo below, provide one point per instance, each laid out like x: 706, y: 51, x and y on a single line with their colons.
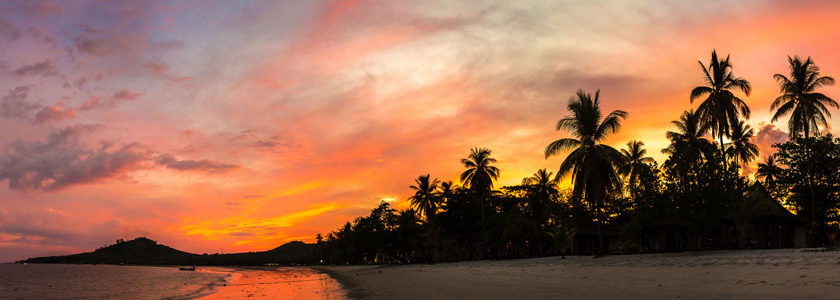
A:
x: 118, y: 97
x: 53, y: 113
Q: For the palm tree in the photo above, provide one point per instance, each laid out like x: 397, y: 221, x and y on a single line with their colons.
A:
x: 543, y: 182
x: 799, y: 97
x: 447, y: 189
x: 721, y: 108
x: 742, y: 150
x: 688, y: 146
x: 769, y: 170
x: 542, y: 190
x: 591, y: 163
x: 635, y: 161
x: 479, y: 177
x: 480, y: 173
x: 425, y: 199
x: 807, y: 107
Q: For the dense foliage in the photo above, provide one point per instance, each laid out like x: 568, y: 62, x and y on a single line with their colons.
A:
x: 697, y: 193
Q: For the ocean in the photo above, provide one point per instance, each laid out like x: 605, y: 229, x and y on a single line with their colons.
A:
x: 49, y: 281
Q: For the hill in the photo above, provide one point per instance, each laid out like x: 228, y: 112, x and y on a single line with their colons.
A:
x: 143, y: 251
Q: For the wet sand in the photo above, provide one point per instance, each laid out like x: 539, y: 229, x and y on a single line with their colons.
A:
x: 759, y: 274
x: 276, y: 283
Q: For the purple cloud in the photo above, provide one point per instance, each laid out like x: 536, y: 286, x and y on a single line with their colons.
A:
x: 45, y: 68
x: 206, y: 165
x: 14, y: 104
x: 62, y: 160
x: 118, y: 97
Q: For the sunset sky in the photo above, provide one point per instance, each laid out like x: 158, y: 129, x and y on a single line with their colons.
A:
x: 240, y: 125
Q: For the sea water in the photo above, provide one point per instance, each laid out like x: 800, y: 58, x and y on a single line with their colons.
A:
x: 51, y: 281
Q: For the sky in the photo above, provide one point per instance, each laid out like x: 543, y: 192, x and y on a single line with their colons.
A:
x: 226, y: 126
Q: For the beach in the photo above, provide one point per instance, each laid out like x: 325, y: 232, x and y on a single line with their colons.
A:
x: 766, y: 274
x: 275, y: 283
x: 64, y: 281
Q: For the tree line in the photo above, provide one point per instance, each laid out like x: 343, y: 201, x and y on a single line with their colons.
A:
x: 697, y: 186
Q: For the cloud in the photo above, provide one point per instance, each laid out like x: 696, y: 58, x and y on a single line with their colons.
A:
x: 159, y: 69
x: 767, y: 136
x: 98, y: 47
x: 8, y: 31
x: 45, y: 68
x: 206, y: 165
x: 53, y: 113
x: 162, y: 70
x: 111, y: 101
x: 62, y: 160
x: 14, y: 104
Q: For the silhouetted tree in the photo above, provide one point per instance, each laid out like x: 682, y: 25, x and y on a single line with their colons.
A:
x: 721, y: 108
x: 688, y: 145
x: 635, y: 160
x: 806, y: 106
x: 480, y: 172
x: 800, y: 99
x: 591, y: 163
x: 741, y: 148
x: 479, y: 178
x: 769, y: 170
x: 812, y: 180
x: 542, y: 192
x: 425, y: 199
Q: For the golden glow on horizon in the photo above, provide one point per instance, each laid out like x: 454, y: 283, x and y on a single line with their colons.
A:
x: 343, y: 103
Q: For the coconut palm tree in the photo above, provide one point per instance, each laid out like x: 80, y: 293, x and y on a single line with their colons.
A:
x: 480, y: 173
x: 635, y: 160
x: 543, y: 181
x: 591, y: 163
x: 446, y: 191
x: 807, y: 107
x: 769, y: 170
x: 479, y: 178
x: 425, y: 199
x: 721, y: 108
x: 740, y: 147
x: 542, y: 191
x: 688, y: 144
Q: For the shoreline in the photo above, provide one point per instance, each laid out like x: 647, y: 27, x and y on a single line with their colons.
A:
x: 277, y: 283
x: 770, y: 274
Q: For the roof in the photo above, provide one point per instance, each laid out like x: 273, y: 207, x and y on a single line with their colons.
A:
x: 764, y: 206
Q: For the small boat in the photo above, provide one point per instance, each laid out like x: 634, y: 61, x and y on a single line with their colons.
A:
x: 187, y: 268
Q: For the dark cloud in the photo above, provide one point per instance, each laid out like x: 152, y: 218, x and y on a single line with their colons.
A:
x: 206, y: 165
x: 111, y: 101
x: 98, y: 47
x: 14, y: 104
x: 53, y: 113
x: 44, y: 68
x: 62, y: 160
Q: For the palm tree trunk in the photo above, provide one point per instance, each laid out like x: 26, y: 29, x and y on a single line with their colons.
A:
x: 483, y: 228
x: 601, y: 250
x: 813, y: 225
x: 722, y: 150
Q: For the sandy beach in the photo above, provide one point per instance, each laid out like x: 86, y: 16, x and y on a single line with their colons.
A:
x: 765, y: 274
x: 275, y: 283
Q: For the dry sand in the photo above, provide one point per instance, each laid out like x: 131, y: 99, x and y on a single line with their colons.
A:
x: 758, y: 274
